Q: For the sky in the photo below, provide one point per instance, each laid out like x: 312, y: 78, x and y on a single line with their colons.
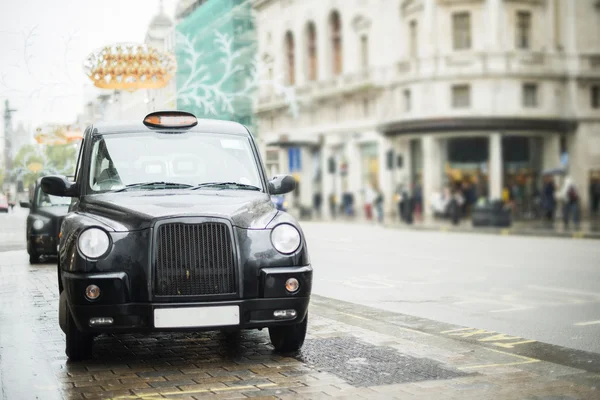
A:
x: 44, y: 44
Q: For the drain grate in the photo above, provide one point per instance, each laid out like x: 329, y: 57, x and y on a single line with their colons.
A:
x: 361, y: 364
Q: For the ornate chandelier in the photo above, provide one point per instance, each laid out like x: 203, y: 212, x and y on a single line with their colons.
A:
x: 130, y: 67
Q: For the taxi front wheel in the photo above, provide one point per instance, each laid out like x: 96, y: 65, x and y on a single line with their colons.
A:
x: 79, y: 344
x: 288, y: 338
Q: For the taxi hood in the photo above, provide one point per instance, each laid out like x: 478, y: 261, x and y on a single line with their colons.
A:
x: 126, y: 211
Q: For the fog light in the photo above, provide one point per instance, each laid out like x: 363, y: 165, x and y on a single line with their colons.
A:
x: 101, y: 321
x: 292, y: 285
x: 92, y: 292
x: 284, y: 314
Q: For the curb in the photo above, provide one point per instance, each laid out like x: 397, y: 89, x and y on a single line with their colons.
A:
x: 502, y: 231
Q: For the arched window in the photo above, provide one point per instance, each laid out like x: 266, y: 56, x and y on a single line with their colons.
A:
x: 335, y: 27
x: 311, y: 40
x: 290, y: 58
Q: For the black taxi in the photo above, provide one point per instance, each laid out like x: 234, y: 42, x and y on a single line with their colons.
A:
x: 172, y: 228
x: 43, y: 222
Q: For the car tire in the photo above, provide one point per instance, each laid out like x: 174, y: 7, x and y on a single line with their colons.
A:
x: 34, y: 258
x: 288, y: 338
x: 79, y: 344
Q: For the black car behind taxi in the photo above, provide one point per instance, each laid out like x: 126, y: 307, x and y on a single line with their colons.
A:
x: 172, y: 228
x: 43, y: 222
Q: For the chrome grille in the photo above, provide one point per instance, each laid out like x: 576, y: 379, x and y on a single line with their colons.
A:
x: 194, y: 260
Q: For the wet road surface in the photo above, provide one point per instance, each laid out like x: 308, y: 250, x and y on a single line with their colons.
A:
x: 352, y: 351
x: 546, y: 289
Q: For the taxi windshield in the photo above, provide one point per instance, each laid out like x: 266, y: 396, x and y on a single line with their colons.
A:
x: 48, y: 200
x: 155, y: 160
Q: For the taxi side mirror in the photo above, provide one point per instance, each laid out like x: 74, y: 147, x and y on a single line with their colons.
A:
x: 57, y: 185
x: 282, y: 184
x: 25, y: 204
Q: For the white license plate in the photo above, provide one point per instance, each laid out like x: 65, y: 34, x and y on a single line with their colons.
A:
x: 196, y: 317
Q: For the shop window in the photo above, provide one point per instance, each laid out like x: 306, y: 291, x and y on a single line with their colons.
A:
x: 461, y: 96
x: 523, y: 34
x: 468, y: 150
x: 515, y: 149
x: 530, y: 95
x: 461, y: 30
x: 595, y: 96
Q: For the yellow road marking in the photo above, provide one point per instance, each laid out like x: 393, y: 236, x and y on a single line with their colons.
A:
x: 504, y: 232
x: 588, y: 323
x: 457, y: 330
x: 352, y: 315
x: 524, y: 360
x: 511, y: 345
x: 182, y: 392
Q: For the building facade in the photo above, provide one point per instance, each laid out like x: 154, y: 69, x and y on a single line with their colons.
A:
x: 429, y: 93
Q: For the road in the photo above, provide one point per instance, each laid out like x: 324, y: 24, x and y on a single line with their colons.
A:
x: 362, y: 349
x: 542, y: 289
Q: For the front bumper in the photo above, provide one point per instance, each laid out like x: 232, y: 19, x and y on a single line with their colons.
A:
x: 117, y: 301
x: 139, y: 317
x: 44, y: 244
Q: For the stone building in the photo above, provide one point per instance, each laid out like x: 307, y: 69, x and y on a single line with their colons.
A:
x: 428, y: 93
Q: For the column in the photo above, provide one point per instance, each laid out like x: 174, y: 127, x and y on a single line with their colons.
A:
x: 495, y: 162
x: 386, y: 182
x: 327, y: 180
x: 432, y: 172
x: 306, y: 173
x: 551, y: 151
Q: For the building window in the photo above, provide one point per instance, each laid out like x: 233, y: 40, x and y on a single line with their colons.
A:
x: 523, y: 30
x: 364, y: 52
x: 407, y: 100
x: 530, y: 95
x: 461, y: 96
x: 335, y: 26
x: 311, y: 34
x: 461, y: 30
x: 595, y: 100
x: 289, y: 50
x: 413, y: 37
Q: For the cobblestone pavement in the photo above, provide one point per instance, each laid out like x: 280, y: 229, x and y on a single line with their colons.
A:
x: 351, y: 352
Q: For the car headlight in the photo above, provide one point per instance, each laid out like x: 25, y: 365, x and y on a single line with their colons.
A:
x: 38, y: 224
x: 285, y: 238
x: 93, y: 242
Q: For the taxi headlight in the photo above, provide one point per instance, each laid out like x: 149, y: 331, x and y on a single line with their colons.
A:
x: 93, y: 242
x: 38, y: 224
x: 285, y: 238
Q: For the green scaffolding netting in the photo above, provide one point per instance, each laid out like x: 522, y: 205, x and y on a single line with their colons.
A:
x: 215, y: 51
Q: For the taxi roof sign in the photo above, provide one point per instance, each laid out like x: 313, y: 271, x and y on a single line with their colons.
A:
x: 170, y: 119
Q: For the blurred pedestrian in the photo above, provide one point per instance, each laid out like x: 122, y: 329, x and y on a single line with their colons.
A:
x: 548, y: 199
x: 332, y: 205
x: 570, y: 197
x: 317, y: 204
x: 379, y: 205
x: 456, y: 205
x: 370, y: 195
x: 595, y: 196
x: 418, y: 201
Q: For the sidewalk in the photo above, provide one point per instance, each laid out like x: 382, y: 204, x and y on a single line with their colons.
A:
x: 587, y: 230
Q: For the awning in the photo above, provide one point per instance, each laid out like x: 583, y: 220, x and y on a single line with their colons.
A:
x: 288, y: 141
x: 497, y: 124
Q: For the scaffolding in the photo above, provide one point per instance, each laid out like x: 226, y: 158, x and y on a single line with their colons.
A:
x: 215, y: 49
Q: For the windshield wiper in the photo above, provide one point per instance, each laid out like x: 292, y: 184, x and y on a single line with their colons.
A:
x: 236, y: 185
x: 154, y: 184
